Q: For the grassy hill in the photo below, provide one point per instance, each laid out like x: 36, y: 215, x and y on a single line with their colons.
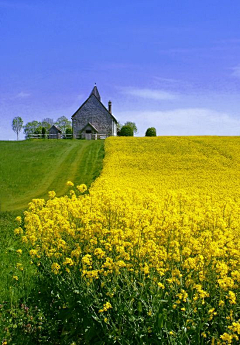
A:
x: 29, y: 169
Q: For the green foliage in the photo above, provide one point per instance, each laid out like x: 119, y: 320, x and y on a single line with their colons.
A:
x: 132, y: 125
x: 151, y: 132
x: 68, y: 133
x: 43, y: 132
x: 126, y: 131
x: 47, y: 123
x: 17, y: 125
x: 31, y: 128
x: 63, y: 123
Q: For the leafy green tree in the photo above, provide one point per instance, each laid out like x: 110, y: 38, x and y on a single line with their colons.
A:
x: 44, y: 132
x: 151, y: 132
x: 126, y: 131
x: 31, y: 128
x: 132, y: 125
x: 68, y: 133
x: 47, y: 123
x: 63, y: 123
x: 17, y: 125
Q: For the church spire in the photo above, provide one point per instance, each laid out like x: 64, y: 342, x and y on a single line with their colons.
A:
x: 96, y: 93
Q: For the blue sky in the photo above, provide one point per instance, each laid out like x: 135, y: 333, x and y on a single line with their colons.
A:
x: 171, y: 64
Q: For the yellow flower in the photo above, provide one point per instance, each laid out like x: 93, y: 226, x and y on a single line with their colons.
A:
x: 55, y: 268
x: 82, y: 188
x: 68, y: 261
x: 161, y: 286
x: 18, y: 231
x: 70, y: 184
x: 106, y: 306
x: 19, y: 251
x: 19, y: 266
x: 18, y: 219
x: 232, y: 297
x: 51, y: 194
x: 226, y: 337
x: 15, y: 277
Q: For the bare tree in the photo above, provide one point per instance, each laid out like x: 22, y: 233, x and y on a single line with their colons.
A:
x: 17, y: 125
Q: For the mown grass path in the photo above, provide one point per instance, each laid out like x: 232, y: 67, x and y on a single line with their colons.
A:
x: 29, y: 169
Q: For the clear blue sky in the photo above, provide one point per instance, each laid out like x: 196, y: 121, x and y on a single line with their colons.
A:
x: 171, y: 64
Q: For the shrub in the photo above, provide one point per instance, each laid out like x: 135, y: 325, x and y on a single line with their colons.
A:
x: 151, y: 132
x: 68, y: 133
x: 126, y: 131
x: 43, y: 132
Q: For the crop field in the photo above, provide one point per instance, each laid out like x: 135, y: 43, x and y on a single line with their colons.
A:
x: 148, y: 255
x: 196, y: 165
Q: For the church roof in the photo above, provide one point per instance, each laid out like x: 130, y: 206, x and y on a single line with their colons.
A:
x: 89, y: 124
x: 96, y: 93
x: 55, y: 127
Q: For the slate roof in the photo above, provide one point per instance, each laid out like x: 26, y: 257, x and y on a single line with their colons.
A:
x: 96, y: 93
x: 89, y: 124
x: 53, y: 126
x: 98, y: 98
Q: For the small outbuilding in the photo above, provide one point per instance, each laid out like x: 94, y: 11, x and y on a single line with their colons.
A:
x: 54, y: 133
x: 93, y: 120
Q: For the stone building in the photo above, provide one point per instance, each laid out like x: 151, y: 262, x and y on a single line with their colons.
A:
x: 54, y: 132
x: 93, y: 120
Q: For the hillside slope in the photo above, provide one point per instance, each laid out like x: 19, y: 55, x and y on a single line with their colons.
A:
x: 29, y: 169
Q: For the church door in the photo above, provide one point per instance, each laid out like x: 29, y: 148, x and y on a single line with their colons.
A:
x: 88, y: 134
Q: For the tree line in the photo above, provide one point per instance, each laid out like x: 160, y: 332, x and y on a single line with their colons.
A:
x: 130, y: 128
x: 41, y: 128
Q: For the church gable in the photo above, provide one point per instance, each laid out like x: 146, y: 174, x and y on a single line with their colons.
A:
x: 93, y: 112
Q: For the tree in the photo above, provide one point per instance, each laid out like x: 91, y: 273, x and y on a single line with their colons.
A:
x: 132, y: 125
x: 63, y: 123
x: 31, y: 128
x: 151, y: 132
x: 47, y: 123
x: 119, y: 126
x: 68, y: 133
x: 126, y: 131
x: 44, y: 132
x: 17, y: 125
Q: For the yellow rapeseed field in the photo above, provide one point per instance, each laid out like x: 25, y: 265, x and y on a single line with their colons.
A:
x: 154, y: 246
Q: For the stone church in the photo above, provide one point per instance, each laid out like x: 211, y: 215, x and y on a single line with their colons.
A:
x: 93, y: 120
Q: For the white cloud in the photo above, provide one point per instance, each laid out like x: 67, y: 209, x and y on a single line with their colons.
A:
x: 150, y: 94
x: 185, y: 121
x: 23, y: 95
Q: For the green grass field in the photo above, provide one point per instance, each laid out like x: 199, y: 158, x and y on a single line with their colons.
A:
x: 29, y: 169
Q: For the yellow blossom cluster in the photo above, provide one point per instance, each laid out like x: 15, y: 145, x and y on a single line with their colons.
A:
x: 164, y: 210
